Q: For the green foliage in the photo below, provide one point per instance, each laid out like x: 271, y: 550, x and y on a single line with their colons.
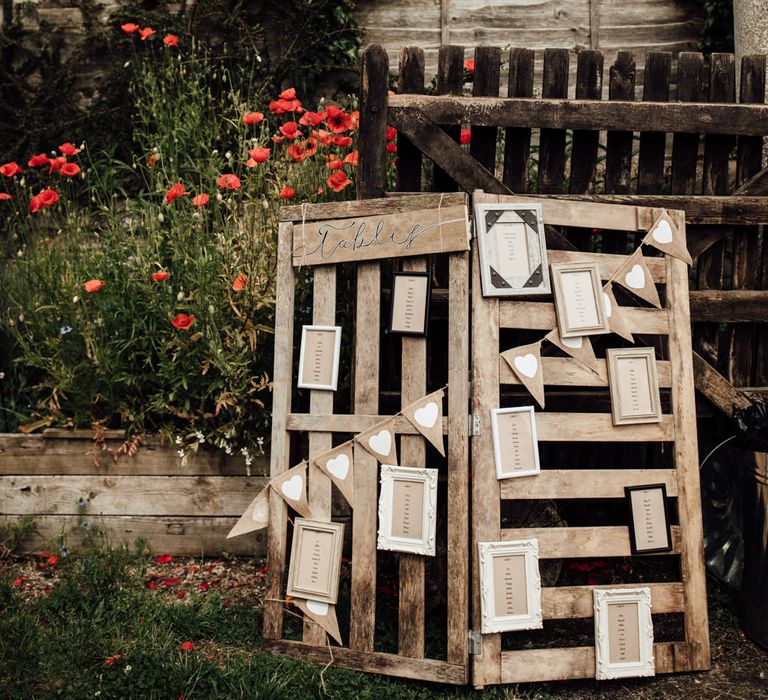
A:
x: 13, y: 532
x: 717, y: 30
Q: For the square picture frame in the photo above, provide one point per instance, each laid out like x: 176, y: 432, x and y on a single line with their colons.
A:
x: 409, y: 303
x: 515, y: 442
x: 623, y: 633
x: 510, y: 586
x: 634, y: 385
x: 512, y: 249
x: 579, y: 304
x: 648, y: 509
x: 313, y: 573
x: 407, y: 509
x: 318, y: 358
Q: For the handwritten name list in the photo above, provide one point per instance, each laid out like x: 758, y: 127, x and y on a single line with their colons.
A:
x: 623, y: 633
x: 516, y: 446
x: 512, y: 250
x: 408, y: 509
x: 409, y: 303
x: 634, y: 387
x: 649, y: 519
x: 318, y: 357
x: 510, y: 585
x: 579, y: 299
x: 314, y: 562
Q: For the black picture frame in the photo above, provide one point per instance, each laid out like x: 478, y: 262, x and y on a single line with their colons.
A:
x: 628, y: 491
x: 428, y: 295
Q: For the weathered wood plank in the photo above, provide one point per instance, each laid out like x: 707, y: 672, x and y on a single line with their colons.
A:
x: 717, y: 388
x: 685, y: 147
x: 586, y: 483
x: 589, y: 86
x: 450, y: 81
x: 552, y: 142
x: 408, y: 165
x: 729, y: 306
x: 485, y: 83
x: 650, y: 166
x: 566, y: 371
x: 569, y: 602
x: 517, y: 142
x: 598, y: 427
x: 372, y: 131
x: 348, y: 423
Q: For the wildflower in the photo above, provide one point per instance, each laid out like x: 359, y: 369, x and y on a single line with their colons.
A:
x: 250, y: 118
x: 111, y: 660
x: 182, y: 321
x: 465, y: 136
x: 17, y: 583
x: 341, y: 141
x: 187, y: 646
x: 323, y: 135
x: 75, y: 299
x: 351, y: 158
x: 152, y: 159
x: 200, y: 200
x: 52, y: 560
x: 312, y: 118
x: 296, y: 151
x: 171, y: 582
x: 355, y: 118
x: 338, y: 180
x: 65, y: 329
x: 146, y: 33
x: 170, y: 40
x: 69, y: 169
x: 160, y: 276
x: 391, y: 133
x: 290, y: 130
x: 229, y: 182
x: 127, y: 669
x: 469, y: 65
x: 164, y: 558
x: 10, y: 169
x: 69, y: 149
x: 181, y: 595
x: 38, y: 161
x: 129, y: 27
x: 391, y: 148
x: 258, y: 155
x: 287, y: 193
x: 4, y: 196
x: 334, y: 162
x: 151, y: 585
x: 175, y: 192
x: 288, y: 94
x: 44, y: 198
x: 56, y: 164
x: 240, y: 282
x: 94, y: 286
x: 337, y: 119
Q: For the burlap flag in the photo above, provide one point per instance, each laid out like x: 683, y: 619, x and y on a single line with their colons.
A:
x: 426, y: 415
x: 617, y: 320
x: 380, y: 442
x: 525, y: 362
x: 666, y: 235
x: 256, y: 516
x: 291, y: 486
x: 338, y: 464
x: 579, y: 348
x: 323, y: 614
x: 635, y: 276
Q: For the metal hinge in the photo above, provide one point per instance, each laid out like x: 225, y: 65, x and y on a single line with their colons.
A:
x: 475, y: 643
x: 474, y: 425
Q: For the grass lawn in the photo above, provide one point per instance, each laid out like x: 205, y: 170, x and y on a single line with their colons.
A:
x: 116, y: 623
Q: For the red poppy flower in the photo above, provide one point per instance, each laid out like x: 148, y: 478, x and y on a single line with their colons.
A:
x: 341, y: 141
x: 170, y: 40
x: 111, y: 660
x: 290, y: 130
x: 175, y: 192
x: 151, y: 585
x: 240, y: 281
x: 56, y: 164
x: 159, y: 277
x: 129, y: 27
x: 203, y: 586
x: 151, y: 160
x: 4, y: 196
x: 92, y: 286
x: 182, y: 321
x: 228, y: 181
x: 287, y: 193
x: 259, y: 155
x: 296, y: 151
x: 171, y: 582
x: 187, y: 646
x: 274, y: 106
x: 391, y: 133
x: 289, y: 106
x: 355, y: 118
x: 200, y: 200
x: 146, y: 33
x: 288, y: 94
x: 45, y: 198
x: 69, y: 169
x: 469, y: 65
x: 465, y: 135
x: 334, y: 162
x: 253, y: 117
x: 10, y: 169
x: 18, y: 582
x: 312, y: 118
x: 38, y: 161
x: 52, y: 560
x: 278, y: 139
x: 391, y: 148
x: 351, y: 158
x: 69, y: 149
x: 338, y: 181
x: 337, y: 119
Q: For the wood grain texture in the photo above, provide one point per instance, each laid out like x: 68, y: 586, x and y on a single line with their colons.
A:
x: 566, y: 371
x: 586, y: 483
x: 729, y: 306
x: 552, y: 141
x: 449, y: 81
x: 485, y: 83
x: 408, y: 165
x: 598, y: 427
x: 372, y: 133
x: 589, y: 86
x: 717, y: 388
x: 618, y: 156
x: 650, y: 166
x: 567, y: 602
x: 517, y: 142
x: 685, y: 147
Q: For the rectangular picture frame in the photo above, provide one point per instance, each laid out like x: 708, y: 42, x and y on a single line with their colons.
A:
x: 501, y: 585
x: 646, y: 391
x: 573, y: 283
x: 512, y: 249
x: 399, y: 322
x: 503, y: 454
x: 307, y: 535
x: 647, y: 505
x: 403, y: 491
x: 331, y: 385
x: 623, y: 628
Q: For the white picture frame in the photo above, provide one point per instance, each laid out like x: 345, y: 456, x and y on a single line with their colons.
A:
x: 513, y: 250
x: 515, y: 442
x: 308, y: 354
x: 623, y: 633
x: 504, y: 568
x: 407, y: 509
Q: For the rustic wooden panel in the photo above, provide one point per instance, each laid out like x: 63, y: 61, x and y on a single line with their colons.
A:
x: 535, y: 315
x: 485, y: 83
x: 449, y: 81
x: 567, y: 602
x: 566, y: 371
x: 517, y: 142
x: 408, y: 165
x: 586, y: 483
x: 552, y: 141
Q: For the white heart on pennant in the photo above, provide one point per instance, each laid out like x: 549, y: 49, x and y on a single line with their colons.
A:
x: 381, y: 442
x: 662, y: 232
x: 318, y: 608
x: 607, y: 304
x: 338, y: 466
x: 527, y: 364
x: 261, y: 511
x: 426, y: 415
x: 635, y: 278
x: 293, y: 488
x: 574, y: 343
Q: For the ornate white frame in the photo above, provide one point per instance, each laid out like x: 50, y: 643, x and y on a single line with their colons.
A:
x: 498, y: 458
x: 605, y: 670
x: 336, y: 353
x: 386, y: 540
x: 489, y: 621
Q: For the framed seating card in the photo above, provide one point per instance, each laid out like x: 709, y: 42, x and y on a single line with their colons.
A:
x: 515, y: 445
x: 407, y: 509
x: 510, y: 586
x: 649, y: 529
x: 579, y: 299
x: 313, y: 573
x: 512, y: 248
x: 623, y: 633
x: 634, y: 386
x: 319, y: 357
x: 409, y: 304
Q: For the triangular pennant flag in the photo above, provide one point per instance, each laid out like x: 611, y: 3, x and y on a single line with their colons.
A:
x: 635, y: 276
x: 256, y: 516
x: 338, y: 464
x: 323, y: 614
x: 666, y: 235
x: 291, y: 486
x: 525, y: 362
x: 579, y: 348
x: 426, y: 415
x: 617, y: 320
x: 380, y: 442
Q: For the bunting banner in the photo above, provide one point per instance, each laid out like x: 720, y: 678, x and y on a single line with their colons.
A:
x: 666, y: 236
x: 291, y: 486
x: 635, y: 276
x: 426, y: 415
x: 617, y: 320
x: 322, y: 614
x: 380, y: 442
x: 256, y: 516
x: 525, y: 362
x: 338, y: 465
x: 579, y: 348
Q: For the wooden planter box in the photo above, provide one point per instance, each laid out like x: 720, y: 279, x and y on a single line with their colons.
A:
x: 178, y: 509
